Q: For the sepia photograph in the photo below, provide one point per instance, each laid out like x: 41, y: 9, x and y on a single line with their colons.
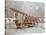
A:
x: 24, y: 17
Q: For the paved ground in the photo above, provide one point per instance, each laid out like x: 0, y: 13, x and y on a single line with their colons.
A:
x: 11, y: 29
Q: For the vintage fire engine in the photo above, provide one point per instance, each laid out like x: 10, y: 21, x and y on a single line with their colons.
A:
x: 25, y: 21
